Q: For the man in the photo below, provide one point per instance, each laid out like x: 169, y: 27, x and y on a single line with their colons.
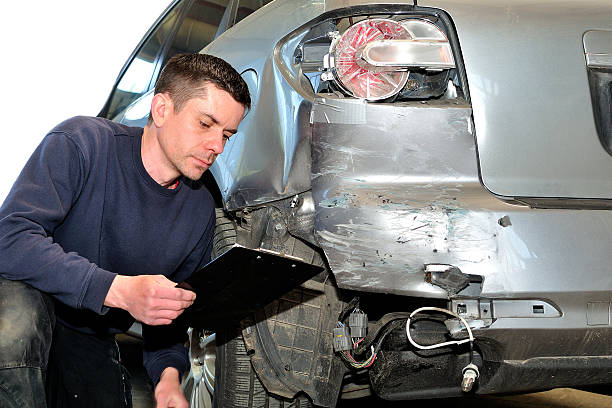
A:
x: 106, y: 219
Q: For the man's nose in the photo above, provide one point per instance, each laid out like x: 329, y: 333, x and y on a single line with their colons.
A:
x: 217, y: 144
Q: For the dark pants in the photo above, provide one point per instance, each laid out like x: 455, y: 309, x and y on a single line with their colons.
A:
x: 80, y: 370
x: 85, y: 371
x: 26, y: 324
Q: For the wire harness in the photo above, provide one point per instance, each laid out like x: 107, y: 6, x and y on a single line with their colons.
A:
x: 357, y: 330
x: 470, y: 372
x: 364, y: 341
x: 470, y: 339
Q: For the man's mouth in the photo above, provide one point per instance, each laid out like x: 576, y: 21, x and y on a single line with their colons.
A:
x: 203, y: 163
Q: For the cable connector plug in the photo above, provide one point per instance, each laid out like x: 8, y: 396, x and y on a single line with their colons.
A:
x: 470, y: 375
x: 358, y: 322
x: 342, y: 340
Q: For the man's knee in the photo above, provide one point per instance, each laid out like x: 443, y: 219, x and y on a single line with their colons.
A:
x: 22, y: 388
x: 26, y: 322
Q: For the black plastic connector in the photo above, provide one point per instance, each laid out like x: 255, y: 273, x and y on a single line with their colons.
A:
x: 358, y: 322
x: 342, y: 340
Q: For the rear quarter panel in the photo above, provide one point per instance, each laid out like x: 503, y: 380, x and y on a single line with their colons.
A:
x: 526, y: 70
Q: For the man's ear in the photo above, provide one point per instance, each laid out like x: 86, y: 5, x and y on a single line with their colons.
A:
x: 160, y: 107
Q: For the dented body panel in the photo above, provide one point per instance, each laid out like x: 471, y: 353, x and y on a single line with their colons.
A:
x: 387, y: 195
x: 400, y: 189
x: 269, y: 158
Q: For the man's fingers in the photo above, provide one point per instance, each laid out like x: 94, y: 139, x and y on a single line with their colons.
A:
x: 174, y: 293
x: 152, y: 299
x: 155, y: 306
x: 158, y: 322
x: 169, y: 314
x: 162, y: 317
x: 177, y: 306
x: 171, y: 305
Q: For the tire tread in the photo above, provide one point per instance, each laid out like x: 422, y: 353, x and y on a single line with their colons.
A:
x: 242, y: 388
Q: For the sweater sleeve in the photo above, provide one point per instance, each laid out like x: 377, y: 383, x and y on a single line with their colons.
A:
x: 37, y: 204
x: 164, y: 346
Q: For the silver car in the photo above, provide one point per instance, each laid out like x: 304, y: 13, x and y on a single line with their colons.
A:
x: 449, y: 164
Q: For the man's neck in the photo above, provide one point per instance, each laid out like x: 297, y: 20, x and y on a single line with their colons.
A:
x: 154, y: 159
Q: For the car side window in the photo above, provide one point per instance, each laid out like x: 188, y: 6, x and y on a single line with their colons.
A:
x: 141, y: 72
x: 182, y: 31
x: 198, y: 28
x: 246, y: 7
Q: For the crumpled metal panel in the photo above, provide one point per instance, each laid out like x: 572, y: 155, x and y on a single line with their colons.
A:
x: 270, y: 161
x: 269, y: 158
x: 386, y: 180
x: 396, y: 187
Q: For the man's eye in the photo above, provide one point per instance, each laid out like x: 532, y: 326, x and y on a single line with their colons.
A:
x: 227, y: 137
x: 203, y: 124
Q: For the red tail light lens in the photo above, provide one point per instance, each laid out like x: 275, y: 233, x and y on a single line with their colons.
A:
x: 358, y: 77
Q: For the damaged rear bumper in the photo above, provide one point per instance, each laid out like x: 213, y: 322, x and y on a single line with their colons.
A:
x: 392, y: 186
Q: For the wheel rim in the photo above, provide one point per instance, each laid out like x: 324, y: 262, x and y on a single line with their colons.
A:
x: 199, y: 383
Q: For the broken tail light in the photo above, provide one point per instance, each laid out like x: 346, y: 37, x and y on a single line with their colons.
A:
x: 371, y: 59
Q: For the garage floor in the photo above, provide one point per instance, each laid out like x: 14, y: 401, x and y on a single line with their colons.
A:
x: 559, y: 398
x: 142, y: 393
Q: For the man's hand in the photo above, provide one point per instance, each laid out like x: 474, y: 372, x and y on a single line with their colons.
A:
x: 151, y: 299
x: 168, y: 393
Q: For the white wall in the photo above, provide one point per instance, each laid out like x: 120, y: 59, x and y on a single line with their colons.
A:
x: 59, y: 59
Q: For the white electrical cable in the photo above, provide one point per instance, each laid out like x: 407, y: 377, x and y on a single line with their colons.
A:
x: 448, y: 343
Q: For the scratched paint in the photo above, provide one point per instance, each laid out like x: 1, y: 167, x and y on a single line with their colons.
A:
x: 336, y: 202
x: 391, y: 243
x: 414, y: 197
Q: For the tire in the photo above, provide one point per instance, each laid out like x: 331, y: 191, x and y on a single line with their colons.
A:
x: 225, y: 234
x: 236, y: 384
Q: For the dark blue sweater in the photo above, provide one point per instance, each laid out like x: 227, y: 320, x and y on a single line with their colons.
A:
x: 83, y: 210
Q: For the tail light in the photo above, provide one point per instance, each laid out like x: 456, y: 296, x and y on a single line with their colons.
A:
x: 354, y: 73
x: 392, y: 53
x: 371, y: 59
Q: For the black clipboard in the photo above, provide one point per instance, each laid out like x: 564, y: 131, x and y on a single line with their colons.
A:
x: 240, y: 281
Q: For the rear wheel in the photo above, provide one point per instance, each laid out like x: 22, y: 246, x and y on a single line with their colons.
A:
x: 221, y: 374
x: 199, y: 383
x: 237, y: 384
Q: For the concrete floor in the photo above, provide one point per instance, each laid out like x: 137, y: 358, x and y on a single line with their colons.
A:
x: 142, y: 393
x: 558, y: 398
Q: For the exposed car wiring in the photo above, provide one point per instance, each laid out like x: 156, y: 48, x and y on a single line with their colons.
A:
x: 349, y: 355
x: 354, y: 363
x: 356, y: 343
x: 388, y: 323
x: 470, y: 338
x: 373, y: 341
x: 379, y: 330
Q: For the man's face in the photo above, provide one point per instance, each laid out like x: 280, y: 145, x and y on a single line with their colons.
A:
x: 192, y: 138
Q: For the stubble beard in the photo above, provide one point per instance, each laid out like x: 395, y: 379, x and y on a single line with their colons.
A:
x: 192, y: 171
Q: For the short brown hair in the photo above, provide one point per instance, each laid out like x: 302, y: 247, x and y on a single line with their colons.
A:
x: 185, y: 75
